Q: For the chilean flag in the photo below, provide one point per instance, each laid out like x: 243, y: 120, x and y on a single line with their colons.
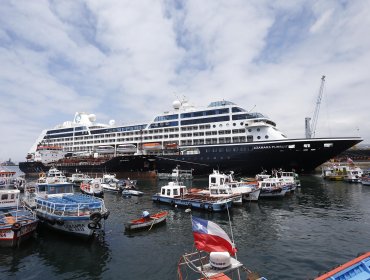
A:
x: 209, y: 237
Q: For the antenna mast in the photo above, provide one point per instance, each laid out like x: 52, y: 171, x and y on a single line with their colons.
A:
x: 311, y: 129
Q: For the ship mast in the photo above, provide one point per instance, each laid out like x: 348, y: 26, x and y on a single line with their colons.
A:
x: 311, y: 128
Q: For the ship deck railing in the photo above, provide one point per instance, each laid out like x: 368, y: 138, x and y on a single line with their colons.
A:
x: 69, y: 206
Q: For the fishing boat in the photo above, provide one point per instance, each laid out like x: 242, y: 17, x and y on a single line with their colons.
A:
x: 356, y: 269
x: 110, y: 183
x: 214, y: 257
x: 177, y: 174
x: 131, y: 190
x: 54, y: 176
x: 147, y: 221
x: 59, y: 208
x: 222, y: 135
x: 249, y: 191
x: 78, y: 178
x: 92, y: 187
x: 274, y: 187
x: 17, y: 224
x: 176, y: 194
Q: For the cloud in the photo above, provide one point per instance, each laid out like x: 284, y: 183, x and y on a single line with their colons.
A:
x: 128, y: 60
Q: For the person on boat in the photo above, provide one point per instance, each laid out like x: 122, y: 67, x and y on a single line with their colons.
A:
x: 146, y: 214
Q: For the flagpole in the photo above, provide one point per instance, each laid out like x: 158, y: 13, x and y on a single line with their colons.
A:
x: 231, y: 229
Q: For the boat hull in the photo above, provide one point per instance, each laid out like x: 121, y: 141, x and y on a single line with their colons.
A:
x: 302, y: 155
x: 82, y: 226
x: 194, y: 204
x: 11, y: 238
x: 143, y: 223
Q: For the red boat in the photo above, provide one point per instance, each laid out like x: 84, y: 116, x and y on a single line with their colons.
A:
x: 147, y: 221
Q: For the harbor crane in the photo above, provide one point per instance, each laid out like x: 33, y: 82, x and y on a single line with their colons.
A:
x: 311, y: 127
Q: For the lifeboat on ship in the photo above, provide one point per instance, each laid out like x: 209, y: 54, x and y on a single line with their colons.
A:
x: 105, y: 149
x: 126, y: 148
x: 173, y: 145
x: 152, y: 146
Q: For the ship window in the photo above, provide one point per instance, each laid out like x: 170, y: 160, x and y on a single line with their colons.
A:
x: 258, y: 129
x: 241, y: 123
x: 168, y: 192
x: 4, y: 197
x: 266, y: 136
x: 258, y: 137
x: 291, y: 146
x: 234, y: 124
x: 249, y: 138
x: 250, y: 130
x: 328, y: 145
x: 175, y: 192
x: 306, y: 145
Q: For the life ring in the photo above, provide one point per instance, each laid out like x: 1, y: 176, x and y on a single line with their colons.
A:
x: 96, y: 217
x: 210, y: 208
x: 16, y: 227
x: 106, y: 215
x: 60, y: 222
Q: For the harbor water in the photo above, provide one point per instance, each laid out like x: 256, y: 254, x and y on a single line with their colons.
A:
x: 322, y: 225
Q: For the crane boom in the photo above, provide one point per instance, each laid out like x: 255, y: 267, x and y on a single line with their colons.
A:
x: 311, y: 129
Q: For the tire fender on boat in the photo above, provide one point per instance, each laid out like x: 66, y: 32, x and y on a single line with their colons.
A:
x: 210, y: 208
x: 16, y: 227
x: 60, y: 221
x: 172, y: 203
x: 92, y: 225
x: 96, y: 217
x: 106, y: 215
x: 51, y: 221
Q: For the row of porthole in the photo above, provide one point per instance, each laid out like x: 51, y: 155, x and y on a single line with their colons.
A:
x: 234, y: 124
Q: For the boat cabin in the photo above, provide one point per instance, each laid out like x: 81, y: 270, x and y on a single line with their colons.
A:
x: 9, y: 198
x: 173, y: 189
x: 55, y: 189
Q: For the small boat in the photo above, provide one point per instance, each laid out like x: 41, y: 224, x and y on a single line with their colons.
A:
x: 110, y: 183
x: 274, y: 187
x: 105, y: 149
x: 92, y: 187
x: 52, y: 176
x: 129, y: 191
x: 356, y: 269
x: 214, y: 257
x: 177, y: 174
x: 17, y: 223
x: 176, y: 194
x: 126, y: 148
x: 77, y: 178
x: 152, y: 146
x: 59, y: 208
x: 7, y: 177
x: 147, y: 221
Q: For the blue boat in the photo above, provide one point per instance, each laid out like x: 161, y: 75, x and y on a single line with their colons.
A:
x: 17, y: 224
x: 356, y: 269
x: 59, y: 208
x: 176, y: 194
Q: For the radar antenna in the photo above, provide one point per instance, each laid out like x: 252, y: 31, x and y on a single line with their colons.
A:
x: 311, y: 128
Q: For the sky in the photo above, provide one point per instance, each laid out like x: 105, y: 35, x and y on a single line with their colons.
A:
x: 129, y: 60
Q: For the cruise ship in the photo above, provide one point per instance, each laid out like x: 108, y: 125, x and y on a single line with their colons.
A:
x: 222, y: 136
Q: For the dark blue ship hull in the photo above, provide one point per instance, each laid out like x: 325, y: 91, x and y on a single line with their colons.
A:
x: 302, y: 155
